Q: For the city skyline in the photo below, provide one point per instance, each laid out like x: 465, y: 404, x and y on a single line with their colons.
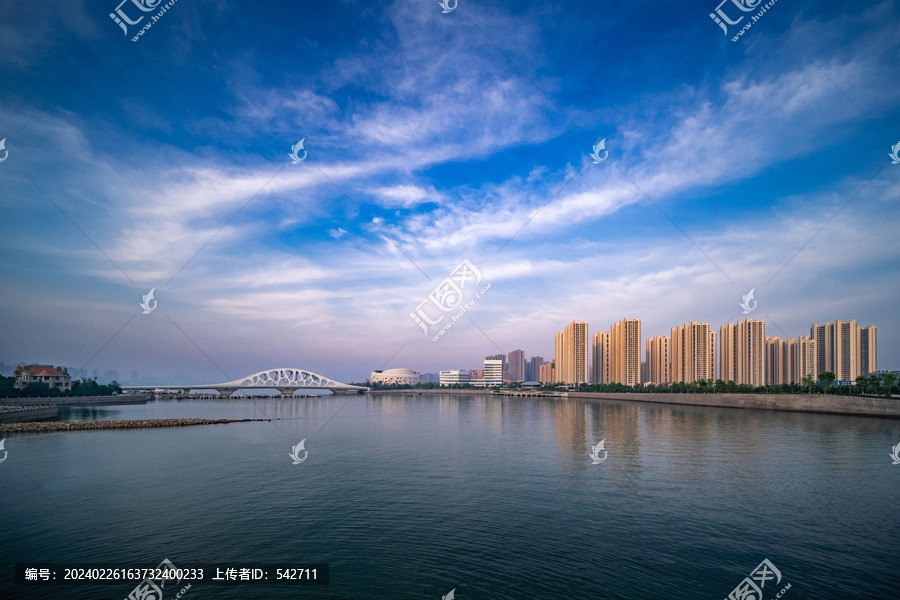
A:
x: 770, y: 365
x: 731, y: 167
x: 692, y: 352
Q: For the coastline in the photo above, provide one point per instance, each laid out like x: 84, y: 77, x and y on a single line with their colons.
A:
x: 809, y: 403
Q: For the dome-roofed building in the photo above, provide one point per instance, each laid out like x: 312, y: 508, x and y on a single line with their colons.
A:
x: 395, y: 377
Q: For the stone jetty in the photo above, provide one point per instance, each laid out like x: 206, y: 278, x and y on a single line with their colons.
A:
x: 141, y: 424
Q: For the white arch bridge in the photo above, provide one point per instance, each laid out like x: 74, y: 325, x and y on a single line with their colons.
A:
x: 286, y: 381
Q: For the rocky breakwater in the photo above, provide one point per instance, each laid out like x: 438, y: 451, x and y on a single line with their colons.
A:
x: 137, y: 424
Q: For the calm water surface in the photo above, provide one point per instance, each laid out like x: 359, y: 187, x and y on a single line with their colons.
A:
x: 411, y: 496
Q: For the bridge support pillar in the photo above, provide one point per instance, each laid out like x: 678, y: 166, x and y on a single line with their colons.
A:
x: 225, y: 392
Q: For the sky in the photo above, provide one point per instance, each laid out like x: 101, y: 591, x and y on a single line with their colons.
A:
x: 433, y: 137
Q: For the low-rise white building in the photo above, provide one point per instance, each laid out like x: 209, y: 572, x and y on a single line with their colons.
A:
x: 454, y: 376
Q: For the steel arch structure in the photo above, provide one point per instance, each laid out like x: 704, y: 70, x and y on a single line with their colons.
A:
x: 287, y: 381
x: 296, y: 378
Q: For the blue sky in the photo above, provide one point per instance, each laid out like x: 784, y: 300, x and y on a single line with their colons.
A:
x: 432, y: 138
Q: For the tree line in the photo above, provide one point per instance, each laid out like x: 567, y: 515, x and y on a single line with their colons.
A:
x: 36, y: 389
x: 865, y: 385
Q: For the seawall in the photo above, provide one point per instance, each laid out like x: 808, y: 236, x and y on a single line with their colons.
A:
x: 416, y: 392
x: 813, y: 403
x: 76, y: 400
x: 19, y: 414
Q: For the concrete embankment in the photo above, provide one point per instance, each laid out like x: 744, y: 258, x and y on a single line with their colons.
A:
x: 416, y: 392
x: 142, y: 424
x: 475, y: 392
x: 19, y: 414
x: 78, y: 400
x: 814, y: 403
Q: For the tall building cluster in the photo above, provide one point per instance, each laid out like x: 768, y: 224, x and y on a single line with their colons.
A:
x: 845, y: 349
x: 739, y: 352
x: 789, y: 361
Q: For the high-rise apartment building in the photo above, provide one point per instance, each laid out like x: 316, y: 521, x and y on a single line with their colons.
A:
x: 493, y: 371
x: 845, y: 349
x: 517, y: 365
x: 625, y: 352
x: 535, y: 368
x: 800, y: 356
x: 571, y: 346
x: 776, y: 361
x: 600, y: 364
x: 548, y: 372
x: 743, y: 350
x: 868, y: 350
x: 693, y: 353
x: 713, y: 355
x: 658, y: 360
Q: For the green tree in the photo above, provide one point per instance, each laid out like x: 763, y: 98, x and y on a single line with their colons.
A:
x: 808, y: 382
x: 827, y: 378
x: 889, y: 381
x: 875, y: 384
